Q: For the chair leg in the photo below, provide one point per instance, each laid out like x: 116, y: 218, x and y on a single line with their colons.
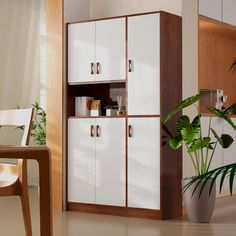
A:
x: 26, y: 212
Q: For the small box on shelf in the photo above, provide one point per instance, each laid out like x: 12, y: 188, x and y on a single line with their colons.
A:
x: 83, y: 106
x: 95, y: 112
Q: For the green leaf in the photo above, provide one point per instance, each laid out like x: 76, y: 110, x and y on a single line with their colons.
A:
x: 227, y: 140
x: 196, y: 121
x: 214, y: 174
x: 175, y: 142
x: 185, y: 103
x: 199, y: 144
x: 182, y: 122
x: 222, y: 115
x: 231, y: 110
x: 217, y: 136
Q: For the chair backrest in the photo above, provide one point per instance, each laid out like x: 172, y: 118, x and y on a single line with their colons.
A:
x: 18, y: 117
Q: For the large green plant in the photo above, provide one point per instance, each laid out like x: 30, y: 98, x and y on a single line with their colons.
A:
x: 201, y: 148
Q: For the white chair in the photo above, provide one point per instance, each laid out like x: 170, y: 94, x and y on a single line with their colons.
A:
x: 13, y: 177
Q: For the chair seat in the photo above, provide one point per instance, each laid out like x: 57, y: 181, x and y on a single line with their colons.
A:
x: 7, y: 179
x: 8, y: 174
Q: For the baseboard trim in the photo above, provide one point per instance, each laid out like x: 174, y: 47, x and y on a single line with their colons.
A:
x: 114, y: 210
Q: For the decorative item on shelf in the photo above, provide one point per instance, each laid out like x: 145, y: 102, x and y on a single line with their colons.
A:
x: 83, y: 106
x: 95, y: 108
x: 120, y: 112
x: 199, y: 191
x: 212, y: 98
x: 111, y: 110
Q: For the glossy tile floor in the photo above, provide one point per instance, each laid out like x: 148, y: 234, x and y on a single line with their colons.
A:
x: 80, y: 224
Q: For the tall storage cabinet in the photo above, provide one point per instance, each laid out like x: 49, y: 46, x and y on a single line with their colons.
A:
x: 122, y: 165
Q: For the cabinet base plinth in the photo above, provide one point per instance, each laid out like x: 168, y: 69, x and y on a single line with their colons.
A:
x: 114, y: 210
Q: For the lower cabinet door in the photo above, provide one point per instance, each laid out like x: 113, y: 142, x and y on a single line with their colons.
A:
x: 144, y: 163
x: 81, y: 160
x: 110, y: 161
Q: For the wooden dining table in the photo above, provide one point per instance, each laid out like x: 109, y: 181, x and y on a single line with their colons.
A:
x: 42, y: 156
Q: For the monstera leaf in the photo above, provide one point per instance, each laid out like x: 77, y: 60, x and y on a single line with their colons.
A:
x: 185, y: 103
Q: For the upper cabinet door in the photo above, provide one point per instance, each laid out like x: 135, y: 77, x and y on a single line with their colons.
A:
x: 81, y: 52
x: 110, y: 161
x: 110, y: 49
x: 229, y: 12
x: 144, y: 65
x: 211, y: 8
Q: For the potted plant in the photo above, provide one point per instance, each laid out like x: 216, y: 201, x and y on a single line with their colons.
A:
x: 38, y: 127
x: 199, y: 192
x: 223, y: 172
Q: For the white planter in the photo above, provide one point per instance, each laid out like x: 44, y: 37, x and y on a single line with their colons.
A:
x: 199, y: 209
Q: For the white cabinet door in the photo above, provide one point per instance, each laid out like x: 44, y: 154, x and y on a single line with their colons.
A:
x: 211, y: 8
x: 229, y: 12
x: 110, y: 161
x: 110, y: 49
x: 81, y: 52
x: 144, y: 60
x: 81, y: 161
x: 217, y: 126
x: 229, y: 156
x: 144, y: 163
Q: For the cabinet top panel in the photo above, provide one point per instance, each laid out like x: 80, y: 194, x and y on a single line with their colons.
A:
x: 122, y: 16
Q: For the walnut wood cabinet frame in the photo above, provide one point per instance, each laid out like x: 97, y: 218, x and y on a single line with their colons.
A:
x: 171, y: 91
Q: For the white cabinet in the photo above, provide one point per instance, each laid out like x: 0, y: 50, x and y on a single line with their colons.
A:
x: 144, y: 65
x: 229, y: 12
x: 211, y: 8
x: 96, y: 161
x: 81, y: 161
x: 217, y: 125
x: 96, y: 51
x: 144, y: 163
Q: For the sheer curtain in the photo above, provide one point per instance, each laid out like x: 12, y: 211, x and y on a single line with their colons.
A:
x: 20, y: 62
x: 19, y: 52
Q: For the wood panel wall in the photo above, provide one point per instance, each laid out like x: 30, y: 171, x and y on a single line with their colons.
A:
x: 55, y: 97
x: 217, y: 48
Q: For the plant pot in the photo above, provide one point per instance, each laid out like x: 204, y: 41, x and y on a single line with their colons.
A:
x: 199, y: 209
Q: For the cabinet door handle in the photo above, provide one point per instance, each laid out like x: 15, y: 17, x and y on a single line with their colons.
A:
x: 98, y: 68
x: 91, y: 131
x: 130, y: 65
x: 98, y: 131
x: 130, y: 131
x: 92, y: 68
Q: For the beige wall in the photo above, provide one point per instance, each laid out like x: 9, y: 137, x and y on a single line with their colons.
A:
x: 76, y: 10
x: 190, y: 64
x: 106, y: 8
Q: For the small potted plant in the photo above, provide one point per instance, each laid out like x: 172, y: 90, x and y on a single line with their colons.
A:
x: 111, y: 110
x: 199, y: 191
